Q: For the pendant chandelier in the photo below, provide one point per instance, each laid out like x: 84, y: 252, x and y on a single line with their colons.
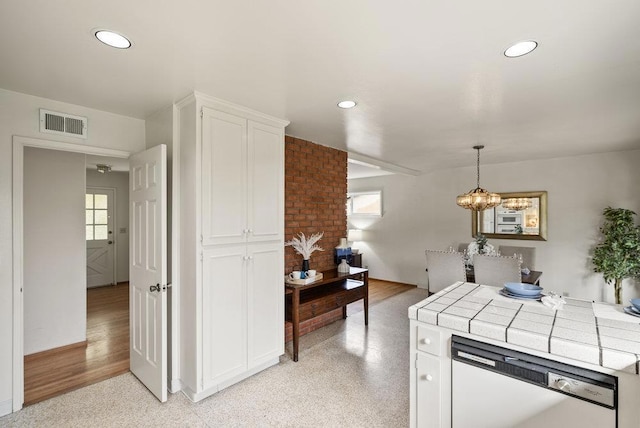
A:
x: 517, y: 204
x: 478, y: 199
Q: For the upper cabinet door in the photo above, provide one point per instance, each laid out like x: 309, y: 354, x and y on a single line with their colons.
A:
x: 266, y: 183
x: 224, y: 178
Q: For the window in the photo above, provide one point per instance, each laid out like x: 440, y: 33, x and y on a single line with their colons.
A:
x: 364, y: 203
x: 97, y: 218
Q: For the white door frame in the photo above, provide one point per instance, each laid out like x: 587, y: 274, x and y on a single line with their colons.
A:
x: 115, y: 226
x: 19, y: 143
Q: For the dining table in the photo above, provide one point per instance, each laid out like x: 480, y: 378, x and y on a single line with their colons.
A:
x: 532, y: 277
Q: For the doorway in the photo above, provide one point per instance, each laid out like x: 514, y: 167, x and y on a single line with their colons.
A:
x: 20, y: 315
x: 104, y: 350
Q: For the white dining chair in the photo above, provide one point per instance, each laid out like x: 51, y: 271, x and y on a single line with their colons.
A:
x: 444, y: 268
x: 528, y: 255
x: 496, y: 270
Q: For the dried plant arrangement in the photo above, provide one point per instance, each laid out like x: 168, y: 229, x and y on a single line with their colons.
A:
x: 305, y: 247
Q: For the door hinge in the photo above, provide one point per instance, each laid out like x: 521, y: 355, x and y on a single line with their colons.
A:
x: 201, y: 238
x: 415, y: 362
x: 201, y: 257
x: 201, y: 113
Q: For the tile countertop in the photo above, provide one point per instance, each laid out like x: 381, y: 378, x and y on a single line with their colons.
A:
x: 597, y: 333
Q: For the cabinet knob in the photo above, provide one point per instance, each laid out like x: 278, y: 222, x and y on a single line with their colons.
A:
x: 429, y: 377
x: 426, y: 341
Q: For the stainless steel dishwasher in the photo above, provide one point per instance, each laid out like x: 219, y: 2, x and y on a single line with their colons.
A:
x: 498, y: 387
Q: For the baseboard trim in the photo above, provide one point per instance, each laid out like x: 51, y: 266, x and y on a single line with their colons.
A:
x: 48, y: 352
x: 6, y: 407
x: 392, y: 282
x: 175, y: 385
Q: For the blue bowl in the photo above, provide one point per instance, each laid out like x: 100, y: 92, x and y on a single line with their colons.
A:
x: 523, y: 289
x: 636, y: 303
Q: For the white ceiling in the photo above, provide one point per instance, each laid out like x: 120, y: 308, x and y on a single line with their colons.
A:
x: 429, y: 77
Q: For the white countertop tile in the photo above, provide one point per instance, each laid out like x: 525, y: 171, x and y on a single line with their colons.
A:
x: 575, y: 350
x: 454, y: 322
x: 531, y: 326
x: 493, y: 318
x: 528, y: 339
x: 620, y: 344
x: 619, y: 333
x: 575, y: 335
x: 576, y: 325
x: 461, y: 312
x: 488, y: 329
x: 535, y: 317
x: 446, y: 300
x: 428, y: 316
x: 499, y: 310
x: 576, y: 316
x: 622, y: 325
x: 619, y: 360
x: 468, y: 305
x: 437, y: 307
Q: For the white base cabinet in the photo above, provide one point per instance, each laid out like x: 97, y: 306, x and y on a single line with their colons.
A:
x: 231, y: 243
x: 242, y: 310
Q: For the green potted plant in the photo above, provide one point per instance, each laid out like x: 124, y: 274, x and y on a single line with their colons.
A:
x: 617, y: 256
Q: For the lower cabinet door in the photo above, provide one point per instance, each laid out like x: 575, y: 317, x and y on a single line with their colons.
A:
x: 224, y: 314
x: 428, y: 391
x: 265, y: 302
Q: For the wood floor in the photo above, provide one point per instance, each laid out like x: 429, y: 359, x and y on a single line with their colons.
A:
x: 51, y: 373
x: 55, y: 372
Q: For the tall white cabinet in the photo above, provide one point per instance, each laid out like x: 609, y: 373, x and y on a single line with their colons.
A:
x: 231, y: 243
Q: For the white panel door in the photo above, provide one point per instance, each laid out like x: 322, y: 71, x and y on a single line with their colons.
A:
x: 224, y: 178
x: 265, y: 302
x: 224, y: 313
x: 100, y: 239
x: 148, y: 270
x: 266, y: 182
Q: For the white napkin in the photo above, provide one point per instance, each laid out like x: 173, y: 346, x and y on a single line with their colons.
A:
x: 553, y: 301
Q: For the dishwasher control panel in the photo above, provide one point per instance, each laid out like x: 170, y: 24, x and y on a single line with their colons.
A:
x: 579, y: 388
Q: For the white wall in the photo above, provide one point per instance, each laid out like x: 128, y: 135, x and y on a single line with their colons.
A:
x: 55, y: 279
x: 118, y: 180
x: 420, y: 213
x: 19, y: 116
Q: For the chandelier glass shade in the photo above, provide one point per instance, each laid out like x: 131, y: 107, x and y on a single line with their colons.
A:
x: 517, y: 204
x: 478, y: 199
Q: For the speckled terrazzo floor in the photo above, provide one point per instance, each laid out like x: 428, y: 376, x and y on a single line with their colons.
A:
x: 347, y: 376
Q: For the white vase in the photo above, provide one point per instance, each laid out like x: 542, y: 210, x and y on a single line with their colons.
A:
x: 343, y: 267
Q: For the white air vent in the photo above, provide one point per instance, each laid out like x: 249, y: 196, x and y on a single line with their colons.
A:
x: 64, y: 124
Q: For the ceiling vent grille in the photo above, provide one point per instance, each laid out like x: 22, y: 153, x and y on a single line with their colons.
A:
x: 63, y: 124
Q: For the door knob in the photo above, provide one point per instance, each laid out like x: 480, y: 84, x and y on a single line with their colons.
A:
x: 110, y: 242
x: 153, y: 288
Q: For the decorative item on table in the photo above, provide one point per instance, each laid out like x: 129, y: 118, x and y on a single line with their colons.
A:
x: 617, y: 256
x: 343, y: 251
x: 519, y: 290
x: 343, y: 267
x: 553, y: 301
x: 479, y: 246
x: 305, y: 247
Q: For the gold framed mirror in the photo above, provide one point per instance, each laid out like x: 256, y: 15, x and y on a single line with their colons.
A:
x: 520, y: 215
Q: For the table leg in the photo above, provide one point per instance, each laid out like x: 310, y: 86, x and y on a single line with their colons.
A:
x: 295, y: 320
x: 366, y: 298
x: 344, y: 312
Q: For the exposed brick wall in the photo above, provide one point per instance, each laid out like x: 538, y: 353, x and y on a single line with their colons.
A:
x: 315, y: 197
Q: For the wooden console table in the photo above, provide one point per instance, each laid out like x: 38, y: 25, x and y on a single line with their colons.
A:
x: 334, y: 290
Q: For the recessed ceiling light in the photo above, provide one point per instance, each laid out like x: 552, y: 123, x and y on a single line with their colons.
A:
x: 112, y: 39
x: 521, y: 48
x: 347, y: 104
